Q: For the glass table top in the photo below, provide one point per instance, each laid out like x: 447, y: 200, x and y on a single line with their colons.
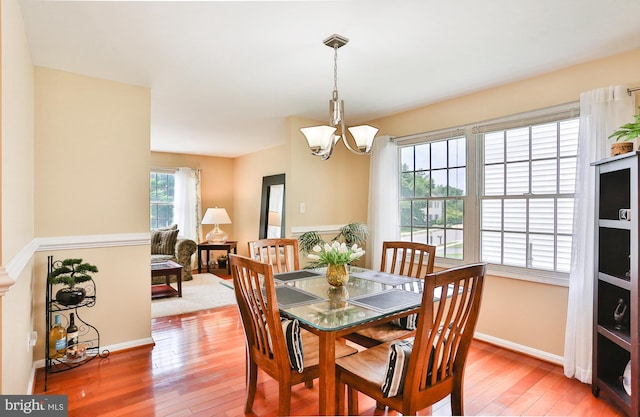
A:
x: 369, y: 295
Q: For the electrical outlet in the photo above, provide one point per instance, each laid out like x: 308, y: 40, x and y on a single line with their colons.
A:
x: 32, y: 337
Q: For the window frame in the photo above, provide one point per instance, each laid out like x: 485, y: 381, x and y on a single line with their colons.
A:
x: 475, y: 179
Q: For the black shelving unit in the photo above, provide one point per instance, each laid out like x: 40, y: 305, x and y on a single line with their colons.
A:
x: 615, y: 343
x: 87, y: 334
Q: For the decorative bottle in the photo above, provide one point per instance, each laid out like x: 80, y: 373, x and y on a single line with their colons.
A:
x: 72, y: 338
x: 57, y: 339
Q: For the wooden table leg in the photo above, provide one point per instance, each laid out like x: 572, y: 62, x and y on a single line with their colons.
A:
x: 327, y: 380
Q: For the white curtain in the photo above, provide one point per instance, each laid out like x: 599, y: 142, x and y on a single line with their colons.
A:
x: 383, y: 198
x: 601, y: 112
x: 185, y: 213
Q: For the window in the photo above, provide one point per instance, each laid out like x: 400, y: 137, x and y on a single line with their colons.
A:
x: 433, y: 188
x: 527, y: 204
x: 162, y: 193
x: 501, y: 192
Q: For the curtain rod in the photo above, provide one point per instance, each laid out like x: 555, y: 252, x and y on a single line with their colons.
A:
x: 631, y: 90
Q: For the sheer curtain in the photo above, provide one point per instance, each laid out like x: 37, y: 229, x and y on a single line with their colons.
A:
x: 383, y: 198
x: 185, y: 213
x: 601, y: 112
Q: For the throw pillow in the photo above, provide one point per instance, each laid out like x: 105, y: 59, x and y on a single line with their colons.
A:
x: 291, y: 330
x: 163, y: 242
x: 397, y: 362
x: 409, y: 323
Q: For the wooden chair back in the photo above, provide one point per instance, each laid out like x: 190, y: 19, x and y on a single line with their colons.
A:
x: 256, y: 297
x: 444, y: 334
x: 283, y: 254
x: 410, y: 259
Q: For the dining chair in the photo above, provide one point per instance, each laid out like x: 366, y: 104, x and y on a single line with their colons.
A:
x: 412, y: 374
x: 274, y: 344
x: 410, y: 259
x: 283, y: 254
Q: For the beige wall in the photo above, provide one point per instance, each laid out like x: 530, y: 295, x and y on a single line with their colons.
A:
x: 92, y: 180
x: 521, y: 313
x: 216, y: 182
x: 17, y: 176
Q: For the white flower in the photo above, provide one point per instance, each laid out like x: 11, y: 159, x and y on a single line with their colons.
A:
x: 317, y: 248
x: 327, y: 247
x: 314, y: 257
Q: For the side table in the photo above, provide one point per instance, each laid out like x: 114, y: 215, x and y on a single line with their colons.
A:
x: 228, y: 246
x: 166, y: 269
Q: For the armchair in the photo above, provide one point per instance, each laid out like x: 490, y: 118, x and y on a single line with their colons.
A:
x: 166, y: 246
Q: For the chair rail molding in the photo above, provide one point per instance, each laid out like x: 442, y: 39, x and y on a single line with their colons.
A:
x: 10, y: 273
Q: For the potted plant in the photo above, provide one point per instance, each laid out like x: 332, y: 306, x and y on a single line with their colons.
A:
x: 624, y: 134
x: 222, y: 261
x: 354, y: 233
x: 71, y: 272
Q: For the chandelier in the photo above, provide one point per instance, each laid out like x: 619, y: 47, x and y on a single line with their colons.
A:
x: 322, y: 139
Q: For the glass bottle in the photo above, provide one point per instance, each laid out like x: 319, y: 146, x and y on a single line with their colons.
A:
x: 57, y: 339
x: 72, y: 338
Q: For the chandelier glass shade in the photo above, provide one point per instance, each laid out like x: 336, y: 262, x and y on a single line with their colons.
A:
x: 322, y: 139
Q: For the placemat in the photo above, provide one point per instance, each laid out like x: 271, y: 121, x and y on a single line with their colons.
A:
x: 290, y: 297
x: 384, y: 277
x: 390, y: 300
x: 293, y: 275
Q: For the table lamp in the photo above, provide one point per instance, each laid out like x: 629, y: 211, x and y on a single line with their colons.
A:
x: 216, y: 216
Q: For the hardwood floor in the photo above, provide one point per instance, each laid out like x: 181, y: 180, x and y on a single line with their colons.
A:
x: 197, y: 369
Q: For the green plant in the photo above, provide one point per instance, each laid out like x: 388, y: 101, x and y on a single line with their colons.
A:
x: 70, y: 272
x: 352, y: 233
x: 335, y: 254
x: 628, y: 131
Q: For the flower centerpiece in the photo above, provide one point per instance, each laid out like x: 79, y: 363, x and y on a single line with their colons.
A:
x: 335, y: 257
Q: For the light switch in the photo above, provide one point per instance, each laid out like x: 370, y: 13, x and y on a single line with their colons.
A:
x: 302, y: 208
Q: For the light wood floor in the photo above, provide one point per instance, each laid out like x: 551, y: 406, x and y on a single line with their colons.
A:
x: 197, y: 369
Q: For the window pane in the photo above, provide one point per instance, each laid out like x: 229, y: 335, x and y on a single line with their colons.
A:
x: 563, y: 262
x: 491, y: 247
x: 439, y: 154
x: 568, y: 175
x: 494, y: 179
x: 419, y: 213
x: 406, y: 187
x: 419, y: 235
x: 492, y: 214
x: 541, y: 215
x: 436, y: 212
x: 405, y: 234
x: 569, y: 137
x: 518, y: 144
x: 544, y: 141
x: 406, y: 158
x: 494, y: 148
x: 457, y: 182
x: 454, y: 245
x: 544, y: 177
x: 515, y: 251
x: 455, y: 213
x: 405, y: 213
x: 436, y: 238
x: 542, y: 252
x: 422, y: 157
x: 457, y: 152
x: 422, y: 184
x: 515, y: 215
x: 439, y: 184
x: 518, y: 178
x: 565, y: 216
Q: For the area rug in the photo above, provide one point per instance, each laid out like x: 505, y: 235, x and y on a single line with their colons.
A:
x: 205, y: 291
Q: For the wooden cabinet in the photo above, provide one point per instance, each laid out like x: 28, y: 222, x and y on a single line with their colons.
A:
x: 615, y: 313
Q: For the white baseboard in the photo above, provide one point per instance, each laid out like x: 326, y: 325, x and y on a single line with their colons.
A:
x: 536, y: 353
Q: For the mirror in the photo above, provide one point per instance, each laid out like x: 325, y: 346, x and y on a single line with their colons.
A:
x: 272, y: 207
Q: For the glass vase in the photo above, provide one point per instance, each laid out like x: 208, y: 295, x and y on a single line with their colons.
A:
x: 337, y: 275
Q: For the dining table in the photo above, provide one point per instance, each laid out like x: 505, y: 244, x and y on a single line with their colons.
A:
x: 368, y: 298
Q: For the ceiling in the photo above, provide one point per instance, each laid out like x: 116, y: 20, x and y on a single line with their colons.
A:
x: 225, y: 75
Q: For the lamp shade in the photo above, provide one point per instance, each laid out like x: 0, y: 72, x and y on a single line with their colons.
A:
x: 363, y: 135
x: 319, y: 138
x: 216, y: 216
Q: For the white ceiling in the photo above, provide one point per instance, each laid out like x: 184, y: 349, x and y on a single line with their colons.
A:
x: 224, y: 75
